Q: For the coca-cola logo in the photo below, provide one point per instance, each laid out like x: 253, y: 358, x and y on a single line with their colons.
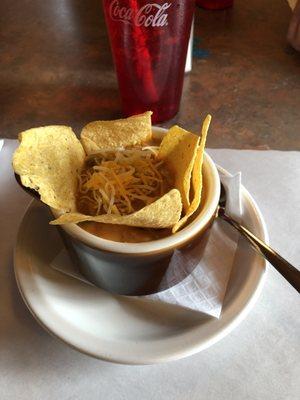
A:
x: 152, y: 14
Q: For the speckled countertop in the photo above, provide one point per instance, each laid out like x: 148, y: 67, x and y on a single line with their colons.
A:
x: 56, y: 67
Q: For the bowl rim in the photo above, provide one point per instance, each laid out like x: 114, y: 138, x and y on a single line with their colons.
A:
x: 198, y: 225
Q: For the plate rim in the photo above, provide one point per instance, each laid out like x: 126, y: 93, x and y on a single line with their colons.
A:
x: 188, y: 349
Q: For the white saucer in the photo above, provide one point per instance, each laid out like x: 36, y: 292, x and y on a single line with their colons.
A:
x: 127, y: 330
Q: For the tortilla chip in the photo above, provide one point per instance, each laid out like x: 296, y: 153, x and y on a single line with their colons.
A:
x: 178, y: 148
x: 163, y: 213
x: 47, y: 160
x: 197, y: 179
x: 105, y: 135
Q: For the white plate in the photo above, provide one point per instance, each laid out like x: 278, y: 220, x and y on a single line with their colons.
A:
x: 120, y: 329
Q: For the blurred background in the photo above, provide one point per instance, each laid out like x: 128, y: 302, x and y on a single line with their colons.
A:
x: 56, y: 68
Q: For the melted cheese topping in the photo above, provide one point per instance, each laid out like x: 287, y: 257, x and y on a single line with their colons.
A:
x: 121, y: 182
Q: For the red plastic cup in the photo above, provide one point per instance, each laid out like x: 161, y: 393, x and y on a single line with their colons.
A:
x: 215, y: 4
x: 149, y: 42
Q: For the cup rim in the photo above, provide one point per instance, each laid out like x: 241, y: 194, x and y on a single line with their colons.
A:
x: 199, y: 224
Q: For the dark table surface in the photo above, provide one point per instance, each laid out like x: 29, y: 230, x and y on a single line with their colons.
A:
x: 56, y: 68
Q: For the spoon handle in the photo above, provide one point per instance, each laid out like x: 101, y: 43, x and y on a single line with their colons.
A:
x: 287, y: 270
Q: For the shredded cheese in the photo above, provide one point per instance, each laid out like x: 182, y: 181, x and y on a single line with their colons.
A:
x: 121, y: 182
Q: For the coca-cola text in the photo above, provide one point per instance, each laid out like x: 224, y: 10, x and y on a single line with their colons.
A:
x: 152, y: 14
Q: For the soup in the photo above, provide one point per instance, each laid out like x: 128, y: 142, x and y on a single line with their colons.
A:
x: 133, y: 178
x: 124, y: 233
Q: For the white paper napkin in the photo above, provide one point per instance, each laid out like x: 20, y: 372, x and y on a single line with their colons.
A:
x: 190, y: 282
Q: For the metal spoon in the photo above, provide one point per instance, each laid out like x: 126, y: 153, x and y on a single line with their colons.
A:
x: 288, y: 271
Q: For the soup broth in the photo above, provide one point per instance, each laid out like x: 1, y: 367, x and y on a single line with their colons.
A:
x: 124, y: 233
